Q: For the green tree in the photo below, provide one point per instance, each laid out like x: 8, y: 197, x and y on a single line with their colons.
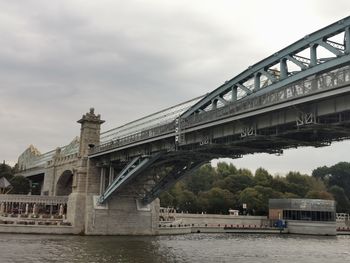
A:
x: 343, y: 203
x: 290, y: 195
x: 166, y: 199
x: 187, y: 202
x: 340, y: 175
x: 6, y: 171
x: 245, y: 172
x: 297, y: 183
x: 251, y: 197
x: 201, y: 180
x: 257, y: 199
x: 265, y: 193
x: 20, y: 185
x: 321, y: 172
x: 280, y: 184
x: 314, y: 194
x: 262, y: 177
x: 224, y: 169
x: 236, y: 183
x: 316, y: 184
x: 217, y: 200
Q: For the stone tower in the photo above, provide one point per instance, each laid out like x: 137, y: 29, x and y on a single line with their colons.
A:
x: 89, y: 137
x: 89, y: 132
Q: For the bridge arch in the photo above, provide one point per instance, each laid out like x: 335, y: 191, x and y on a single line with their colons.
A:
x: 64, y: 183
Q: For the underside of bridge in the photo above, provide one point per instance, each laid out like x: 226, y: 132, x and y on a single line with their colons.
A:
x: 64, y: 184
x: 36, y: 183
x: 167, y: 167
x: 140, y: 190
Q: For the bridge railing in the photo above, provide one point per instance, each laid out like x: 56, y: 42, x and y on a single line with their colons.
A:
x: 138, y: 136
x: 37, y: 199
x: 327, y: 81
x: 149, y: 122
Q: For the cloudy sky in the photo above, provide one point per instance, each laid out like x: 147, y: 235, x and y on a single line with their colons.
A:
x: 132, y: 58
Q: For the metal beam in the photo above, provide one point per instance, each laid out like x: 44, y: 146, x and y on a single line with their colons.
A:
x: 132, y: 169
x: 297, y: 62
x: 244, y: 88
x: 170, y: 179
x: 330, y: 48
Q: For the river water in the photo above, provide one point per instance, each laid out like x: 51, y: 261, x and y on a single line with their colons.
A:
x: 183, y: 248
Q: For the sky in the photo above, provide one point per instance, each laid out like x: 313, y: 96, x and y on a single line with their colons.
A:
x: 128, y: 59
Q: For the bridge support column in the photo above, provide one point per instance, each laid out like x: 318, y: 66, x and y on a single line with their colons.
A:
x: 76, y: 211
x: 77, y: 199
x: 121, y: 216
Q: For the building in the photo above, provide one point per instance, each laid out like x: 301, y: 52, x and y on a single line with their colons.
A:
x: 305, y: 216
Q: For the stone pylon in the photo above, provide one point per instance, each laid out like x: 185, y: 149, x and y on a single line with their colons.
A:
x: 89, y: 137
x: 120, y: 215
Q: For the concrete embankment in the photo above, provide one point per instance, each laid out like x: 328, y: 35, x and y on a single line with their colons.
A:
x: 215, y: 220
x: 209, y: 223
x: 178, y: 230
x: 35, y: 229
x: 36, y: 225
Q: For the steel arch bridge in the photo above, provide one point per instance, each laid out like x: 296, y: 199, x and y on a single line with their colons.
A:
x: 311, y: 56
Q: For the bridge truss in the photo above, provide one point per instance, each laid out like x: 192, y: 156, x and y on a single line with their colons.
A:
x: 320, y: 51
x: 317, y: 64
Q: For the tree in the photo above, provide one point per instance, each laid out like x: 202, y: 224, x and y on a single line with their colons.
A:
x: 187, y: 201
x: 236, y: 183
x: 217, y: 200
x: 201, y: 180
x: 340, y: 175
x: 343, y: 203
x: 166, y: 199
x: 20, y: 185
x: 321, y: 172
x: 280, y: 184
x: 290, y: 195
x: 6, y: 171
x: 224, y: 169
x: 265, y: 193
x: 314, y: 194
x: 262, y: 177
x: 251, y: 197
x: 217, y: 190
x: 316, y: 184
x: 297, y: 183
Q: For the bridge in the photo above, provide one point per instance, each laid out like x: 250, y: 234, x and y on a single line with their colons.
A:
x: 299, y: 96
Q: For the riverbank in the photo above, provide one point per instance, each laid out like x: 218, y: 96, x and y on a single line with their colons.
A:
x: 184, y: 224
x: 210, y: 223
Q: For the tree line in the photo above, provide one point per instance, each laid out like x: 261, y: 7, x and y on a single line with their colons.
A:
x: 218, y: 189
